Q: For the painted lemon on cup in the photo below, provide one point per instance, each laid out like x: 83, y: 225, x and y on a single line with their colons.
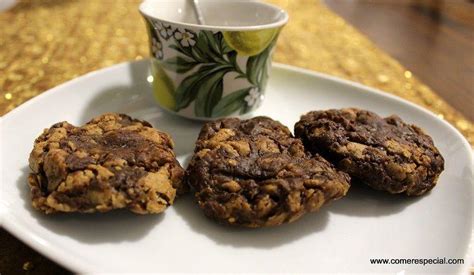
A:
x: 163, y: 87
x: 250, y: 43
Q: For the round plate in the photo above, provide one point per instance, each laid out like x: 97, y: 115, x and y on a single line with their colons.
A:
x: 342, y: 237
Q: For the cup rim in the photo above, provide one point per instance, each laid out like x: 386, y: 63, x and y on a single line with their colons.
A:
x: 275, y: 24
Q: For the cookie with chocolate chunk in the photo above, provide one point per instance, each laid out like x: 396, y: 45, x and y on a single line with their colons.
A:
x: 111, y: 162
x: 385, y: 153
x: 254, y: 173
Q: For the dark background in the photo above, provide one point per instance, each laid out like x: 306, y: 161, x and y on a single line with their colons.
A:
x: 432, y: 38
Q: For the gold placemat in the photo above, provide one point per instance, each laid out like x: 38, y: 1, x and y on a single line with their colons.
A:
x: 45, y: 43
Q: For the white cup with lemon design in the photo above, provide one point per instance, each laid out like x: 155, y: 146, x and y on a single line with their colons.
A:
x: 213, y: 70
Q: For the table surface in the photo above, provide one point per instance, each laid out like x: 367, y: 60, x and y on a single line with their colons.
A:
x: 433, y: 39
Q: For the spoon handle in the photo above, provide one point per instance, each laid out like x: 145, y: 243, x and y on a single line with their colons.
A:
x: 198, y: 12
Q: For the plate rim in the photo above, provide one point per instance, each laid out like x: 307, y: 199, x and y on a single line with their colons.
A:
x: 9, y: 223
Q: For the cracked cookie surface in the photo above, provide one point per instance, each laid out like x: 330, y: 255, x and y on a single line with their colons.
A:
x: 111, y: 162
x: 253, y: 173
x: 385, y: 153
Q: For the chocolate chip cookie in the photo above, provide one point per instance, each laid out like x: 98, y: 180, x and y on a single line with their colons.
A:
x: 254, y: 173
x: 111, y: 162
x: 385, y: 153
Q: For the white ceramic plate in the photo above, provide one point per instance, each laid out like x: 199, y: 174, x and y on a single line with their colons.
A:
x: 343, y: 236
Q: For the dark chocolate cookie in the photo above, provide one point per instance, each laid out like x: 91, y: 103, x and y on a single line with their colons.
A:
x: 111, y: 162
x: 385, y: 153
x: 253, y: 173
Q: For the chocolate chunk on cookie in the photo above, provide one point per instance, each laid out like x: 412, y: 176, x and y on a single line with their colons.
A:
x: 254, y: 173
x: 385, y: 153
x: 111, y: 162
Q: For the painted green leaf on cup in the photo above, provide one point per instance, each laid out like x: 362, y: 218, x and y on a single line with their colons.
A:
x: 187, y: 91
x: 179, y: 64
x: 225, y: 49
x: 213, y: 57
x: 231, y: 103
x: 199, y: 55
x: 207, y: 44
x: 257, y: 70
x: 232, y: 56
x: 191, y: 85
x: 177, y: 47
x: 212, y: 42
x: 209, y: 93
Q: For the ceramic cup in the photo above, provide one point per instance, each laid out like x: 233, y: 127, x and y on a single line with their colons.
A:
x: 213, y: 70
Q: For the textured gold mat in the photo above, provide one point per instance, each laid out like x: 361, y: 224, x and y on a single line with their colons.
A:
x: 45, y: 43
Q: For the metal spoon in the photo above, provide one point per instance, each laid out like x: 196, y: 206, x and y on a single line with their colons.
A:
x: 198, y: 12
